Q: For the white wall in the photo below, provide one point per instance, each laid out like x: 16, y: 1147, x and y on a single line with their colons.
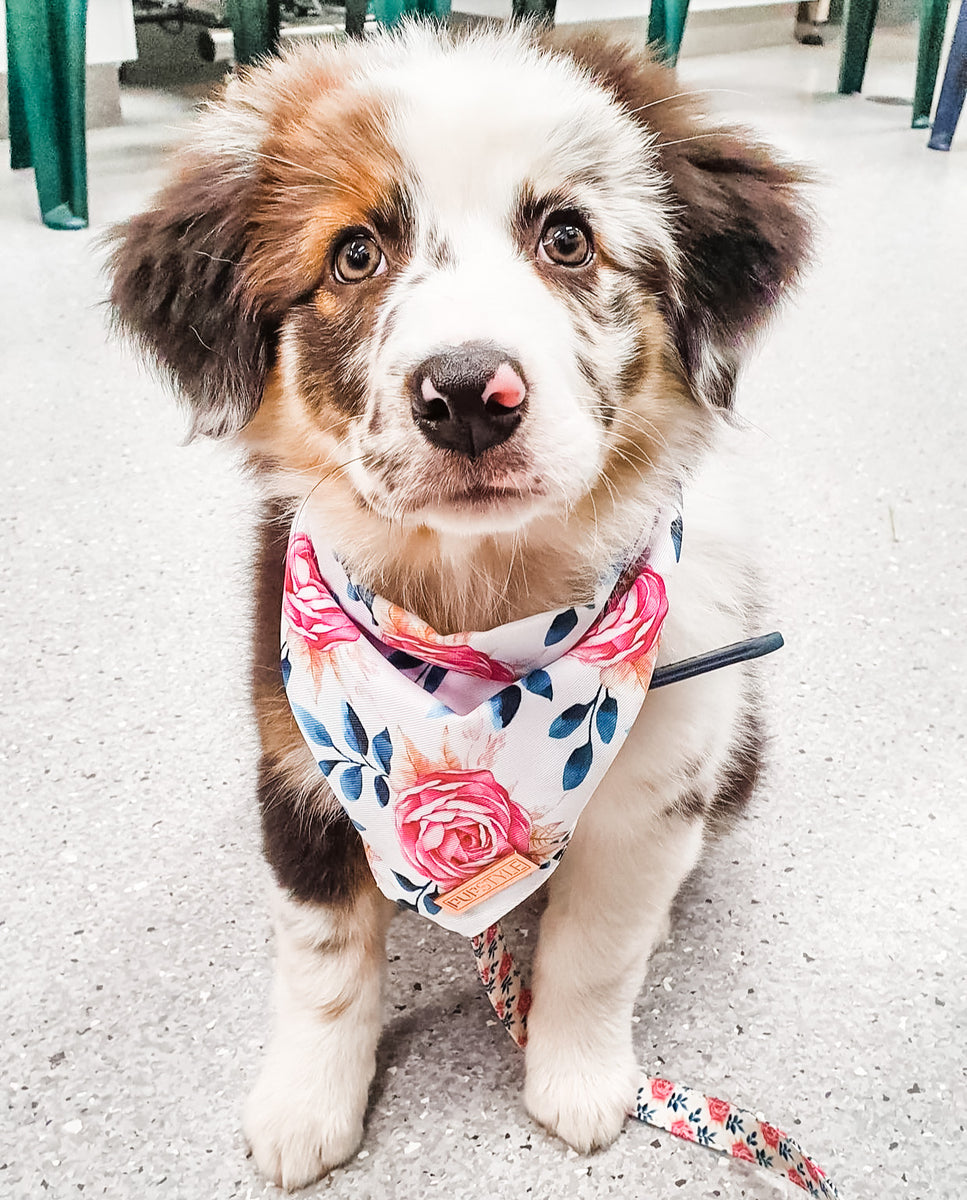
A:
x: 110, y: 32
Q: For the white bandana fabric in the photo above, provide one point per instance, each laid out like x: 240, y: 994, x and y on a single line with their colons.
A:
x: 465, y: 758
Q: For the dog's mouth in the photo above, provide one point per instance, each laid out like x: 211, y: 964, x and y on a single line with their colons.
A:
x: 462, y: 496
x: 484, y: 495
x: 496, y: 505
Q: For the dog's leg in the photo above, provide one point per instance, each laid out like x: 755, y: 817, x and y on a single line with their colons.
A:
x: 305, y: 1114
x: 608, y: 907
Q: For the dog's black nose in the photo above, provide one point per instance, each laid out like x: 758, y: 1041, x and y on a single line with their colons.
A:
x: 468, y: 398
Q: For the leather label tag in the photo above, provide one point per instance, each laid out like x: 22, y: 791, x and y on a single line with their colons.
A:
x: 495, y: 878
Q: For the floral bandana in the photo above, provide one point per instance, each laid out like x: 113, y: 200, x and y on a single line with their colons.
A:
x: 464, y: 760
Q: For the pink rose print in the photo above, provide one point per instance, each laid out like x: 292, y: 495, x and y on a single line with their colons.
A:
x: 718, y: 1110
x: 661, y: 1089
x: 453, y: 656
x: 741, y: 1150
x: 629, y: 630
x: 682, y: 1129
x: 796, y: 1178
x: 452, y: 824
x: 506, y: 962
x: 771, y: 1135
x: 524, y: 1002
x: 307, y: 603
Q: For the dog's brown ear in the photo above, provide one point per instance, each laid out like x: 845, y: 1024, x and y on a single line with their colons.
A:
x: 740, y: 219
x: 744, y: 237
x: 179, y: 287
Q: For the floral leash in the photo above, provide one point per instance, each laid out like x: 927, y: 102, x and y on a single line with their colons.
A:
x: 681, y: 1111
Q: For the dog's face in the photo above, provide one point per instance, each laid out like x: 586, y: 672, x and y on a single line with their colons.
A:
x: 487, y: 250
x: 479, y: 280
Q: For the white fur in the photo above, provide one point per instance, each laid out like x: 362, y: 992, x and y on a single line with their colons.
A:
x: 305, y: 1114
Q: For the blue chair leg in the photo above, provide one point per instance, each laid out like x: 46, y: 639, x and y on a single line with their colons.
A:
x: 954, y: 87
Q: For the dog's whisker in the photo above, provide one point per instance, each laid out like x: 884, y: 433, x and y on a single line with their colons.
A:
x: 638, y: 423
x: 697, y: 137
x: 684, y: 95
x: 340, y: 184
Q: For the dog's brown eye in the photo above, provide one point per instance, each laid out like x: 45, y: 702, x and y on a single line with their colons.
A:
x: 358, y: 257
x: 567, y: 242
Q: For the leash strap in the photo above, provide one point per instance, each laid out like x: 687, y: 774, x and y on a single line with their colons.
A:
x: 681, y: 1111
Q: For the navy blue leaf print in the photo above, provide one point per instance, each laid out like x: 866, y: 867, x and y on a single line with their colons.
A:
x: 312, y: 725
x: 433, y: 678
x: 355, y: 734
x: 381, y: 787
x: 430, y: 905
x: 286, y: 670
x: 569, y: 720
x: 360, y: 828
x: 405, y: 662
x: 356, y: 591
x: 505, y: 705
x: 351, y: 782
x: 561, y: 626
x: 577, y: 766
x: 677, y: 531
x: 606, y: 719
x: 406, y: 884
x: 539, y: 682
x: 383, y: 749
x: 327, y: 765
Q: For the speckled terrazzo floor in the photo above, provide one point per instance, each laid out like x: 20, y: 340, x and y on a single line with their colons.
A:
x: 817, y: 965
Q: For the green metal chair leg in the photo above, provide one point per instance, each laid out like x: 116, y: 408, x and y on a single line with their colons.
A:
x: 666, y: 28
x: 858, y: 23
x: 389, y: 12
x: 17, y: 117
x: 535, y: 10
x: 255, y: 28
x: 355, y: 17
x: 46, y: 66
x: 933, y: 21
x: 656, y: 26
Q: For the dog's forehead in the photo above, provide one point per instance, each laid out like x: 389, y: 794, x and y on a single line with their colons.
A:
x: 479, y: 124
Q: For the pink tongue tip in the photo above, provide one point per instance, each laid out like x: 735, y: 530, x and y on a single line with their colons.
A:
x: 505, y: 388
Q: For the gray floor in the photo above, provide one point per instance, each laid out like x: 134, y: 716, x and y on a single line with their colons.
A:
x: 817, y: 965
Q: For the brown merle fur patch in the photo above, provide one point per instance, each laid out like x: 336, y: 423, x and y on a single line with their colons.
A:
x: 308, y: 840
x: 739, y: 219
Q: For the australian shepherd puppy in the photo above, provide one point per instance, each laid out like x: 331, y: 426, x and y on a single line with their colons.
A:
x: 549, y: 219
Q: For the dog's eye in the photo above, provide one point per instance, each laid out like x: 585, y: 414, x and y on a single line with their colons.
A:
x: 358, y: 257
x: 566, y: 240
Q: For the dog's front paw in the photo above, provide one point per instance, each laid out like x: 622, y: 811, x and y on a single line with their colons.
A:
x: 298, y: 1123
x: 581, y: 1100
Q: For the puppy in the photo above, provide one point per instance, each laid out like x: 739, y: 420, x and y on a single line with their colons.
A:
x: 342, y: 217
